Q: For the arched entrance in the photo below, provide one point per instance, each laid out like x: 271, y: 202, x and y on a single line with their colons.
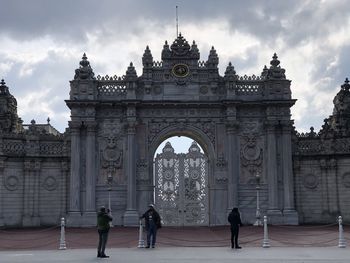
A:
x: 181, y: 186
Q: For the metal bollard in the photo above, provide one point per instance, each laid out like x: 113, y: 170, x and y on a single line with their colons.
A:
x: 141, y: 241
x: 62, y: 239
x: 266, y: 242
x: 341, y: 243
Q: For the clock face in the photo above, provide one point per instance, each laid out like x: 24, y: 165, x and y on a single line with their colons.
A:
x: 180, y: 70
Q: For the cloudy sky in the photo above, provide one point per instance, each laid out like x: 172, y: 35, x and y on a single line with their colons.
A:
x: 42, y: 42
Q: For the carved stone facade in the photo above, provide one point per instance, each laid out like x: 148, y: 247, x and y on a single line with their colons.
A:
x: 242, y: 123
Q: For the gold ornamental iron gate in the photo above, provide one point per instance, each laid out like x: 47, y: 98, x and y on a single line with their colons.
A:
x: 181, y: 187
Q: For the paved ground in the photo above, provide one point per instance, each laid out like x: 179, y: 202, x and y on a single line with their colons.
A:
x: 191, y: 244
x: 184, y: 255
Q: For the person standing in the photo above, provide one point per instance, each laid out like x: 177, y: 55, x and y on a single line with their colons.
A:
x: 103, y: 219
x: 152, y: 223
x: 235, y: 220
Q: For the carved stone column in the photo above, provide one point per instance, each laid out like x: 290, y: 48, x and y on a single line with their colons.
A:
x: 289, y: 213
x: 74, y: 183
x: 90, y: 193
x: 131, y: 216
x: 232, y: 165
x: 272, y: 169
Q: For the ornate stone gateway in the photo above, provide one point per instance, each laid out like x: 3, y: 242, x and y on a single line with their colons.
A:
x: 241, y: 122
x: 181, y: 187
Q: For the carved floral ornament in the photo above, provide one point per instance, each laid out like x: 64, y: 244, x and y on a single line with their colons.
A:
x: 310, y: 181
x: 12, y: 182
x: 50, y: 183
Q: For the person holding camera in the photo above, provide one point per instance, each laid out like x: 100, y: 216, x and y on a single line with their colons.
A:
x: 103, y: 224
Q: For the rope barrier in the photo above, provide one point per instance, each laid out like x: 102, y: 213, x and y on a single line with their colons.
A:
x: 306, y: 227
x: 303, y: 244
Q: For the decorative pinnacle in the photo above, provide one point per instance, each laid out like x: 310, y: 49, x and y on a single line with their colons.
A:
x: 48, y: 120
x: 84, y: 62
x: 2, y: 82
x: 275, y: 62
x: 346, y: 85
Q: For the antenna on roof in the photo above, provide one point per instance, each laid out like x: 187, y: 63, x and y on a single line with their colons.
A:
x: 177, y: 23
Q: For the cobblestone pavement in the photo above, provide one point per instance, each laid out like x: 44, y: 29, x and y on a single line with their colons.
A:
x: 126, y: 237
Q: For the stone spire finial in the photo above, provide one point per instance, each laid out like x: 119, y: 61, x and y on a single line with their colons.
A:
x: 194, y: 50
x: 275, y: 71
x: 265, y: 72
x: 131, y: 72
x: 84, y: 71
x: 166, y: 53
x: 48, y: 120
x: 346, y: 85
x: 147, y: 59
x: 213, y: 59
x: 3, y: 88
x: 180, y: 46
x: 274, y: 62
x: 230, y: 73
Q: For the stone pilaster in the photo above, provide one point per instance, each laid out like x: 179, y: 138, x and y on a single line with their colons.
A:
x: 74, y: 213
x: 131, y: 216
x: 232, y: 165
x: 272, y: 169
x: 31, y: 193
x: 289, y: 212
x: 63, y: 190
x: 36, y: 189
x: 89, y: 216
x: 332, y: 184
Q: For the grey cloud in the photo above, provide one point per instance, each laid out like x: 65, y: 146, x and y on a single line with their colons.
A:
x: 52, y: 74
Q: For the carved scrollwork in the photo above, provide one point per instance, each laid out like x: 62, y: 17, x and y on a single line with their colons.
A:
x: 111, y: 145
x: 142, y: 171
x: 251, y: 157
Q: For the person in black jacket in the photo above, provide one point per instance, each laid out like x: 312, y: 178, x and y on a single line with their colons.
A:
x: 103, y: 219
x: 235, y: 220
x: 152, y: 223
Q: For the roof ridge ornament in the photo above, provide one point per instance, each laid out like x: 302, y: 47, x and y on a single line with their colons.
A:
x: 3, y: 88
x: 84, y: 71
x: 275, y: 71
x: 230, y: 73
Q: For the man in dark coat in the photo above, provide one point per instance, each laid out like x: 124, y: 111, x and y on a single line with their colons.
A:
x: 152, y: 223
x: 103, y: 219
x: 235, y: 220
